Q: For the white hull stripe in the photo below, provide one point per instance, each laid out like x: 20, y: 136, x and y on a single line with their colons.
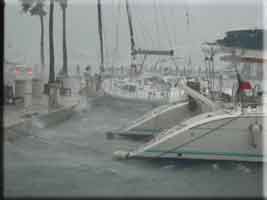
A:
x: 207, y: 153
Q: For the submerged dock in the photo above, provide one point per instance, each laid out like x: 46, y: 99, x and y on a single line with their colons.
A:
x: 38, y: 115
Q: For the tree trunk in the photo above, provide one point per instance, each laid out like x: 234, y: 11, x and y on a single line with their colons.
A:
x: 42, y: 44
x: 51, y: 44
x: 65, y: 56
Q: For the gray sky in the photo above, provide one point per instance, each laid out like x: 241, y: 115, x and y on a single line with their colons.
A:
x: 157, y: 24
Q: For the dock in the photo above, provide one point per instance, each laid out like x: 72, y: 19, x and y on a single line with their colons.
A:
x: 17, y: 115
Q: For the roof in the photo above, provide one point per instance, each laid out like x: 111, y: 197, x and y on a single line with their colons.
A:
x: 248, y: 39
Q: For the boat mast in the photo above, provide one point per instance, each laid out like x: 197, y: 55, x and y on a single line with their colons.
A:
x: 134, y: 50
x: 100, y: 35
x: 133, y: 57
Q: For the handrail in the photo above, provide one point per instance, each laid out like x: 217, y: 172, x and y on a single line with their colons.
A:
x: 150, y: 114
x: 158, y: 137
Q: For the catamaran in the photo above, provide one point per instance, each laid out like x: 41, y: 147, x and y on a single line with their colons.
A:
x: 230, y: 131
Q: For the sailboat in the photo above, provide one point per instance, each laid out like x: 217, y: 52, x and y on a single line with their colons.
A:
x: 140, y: 86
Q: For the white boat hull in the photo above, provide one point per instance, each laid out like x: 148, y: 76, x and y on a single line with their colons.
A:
x: 142, y: 95
x: 218, y: 138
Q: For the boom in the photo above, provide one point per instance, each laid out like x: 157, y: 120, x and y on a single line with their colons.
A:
x: 152, y: 52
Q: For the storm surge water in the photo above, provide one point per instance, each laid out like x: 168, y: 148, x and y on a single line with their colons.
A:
x: 75, y: 159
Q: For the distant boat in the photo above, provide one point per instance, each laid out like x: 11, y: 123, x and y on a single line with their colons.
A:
x: 140, y: 86
x: 147, y: 88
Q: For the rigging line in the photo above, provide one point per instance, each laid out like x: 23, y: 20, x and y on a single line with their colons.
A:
x: 187, y: 19
x: 147, y: 31
x: 144, y: 28
x: 196, y: 138
x: 105, y: 41
x: 119, y: 23
x: 131, y: 32
x: 106, y: 53
x: 118, y: 30
x: 145, y: 34
x: 187, y: 15
x: 167, y: 27
x: 156, y: 23
x: 112, y: 18
x: 148, y: 34
x: 172, y: 11
x: 138, y: 24
x: 174, y: 62
x: 134, y: 22
x: 109, y: 41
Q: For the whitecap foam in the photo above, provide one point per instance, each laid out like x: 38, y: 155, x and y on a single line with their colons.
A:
x: 243, y: 168
x: 168, y: 167
x: 215, y: 166
x: 37, y: 123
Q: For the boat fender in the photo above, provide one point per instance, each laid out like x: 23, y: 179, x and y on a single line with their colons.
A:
x: 121, y: 155
x: 254, y: 129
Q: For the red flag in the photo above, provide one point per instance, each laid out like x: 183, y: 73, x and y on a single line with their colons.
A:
x: 245, y: 86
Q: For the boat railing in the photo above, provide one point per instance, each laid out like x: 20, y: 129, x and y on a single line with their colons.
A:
x: 143, y: 94
x: 150, y: 114
x: 158, y: 137
x: 142, y: 118
x: 169, y: 131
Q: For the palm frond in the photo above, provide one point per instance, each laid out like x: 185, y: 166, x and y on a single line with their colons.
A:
x: 38, y: 9
x: 26, y: 5
x: 63, y: 3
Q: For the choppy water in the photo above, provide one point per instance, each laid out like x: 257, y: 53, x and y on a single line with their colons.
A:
x: 75, y: 159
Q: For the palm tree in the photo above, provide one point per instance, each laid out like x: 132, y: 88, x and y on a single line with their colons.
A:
x: 26, y: 5
x: 51, y: 43
x: 52, y: 85
x: 37, y: 8
x: 63, y: 4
